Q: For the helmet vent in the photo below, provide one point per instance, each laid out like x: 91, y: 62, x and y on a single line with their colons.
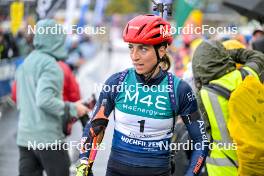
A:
x: 127, y: 29
x: 142, y: 27
x: 156, y: 36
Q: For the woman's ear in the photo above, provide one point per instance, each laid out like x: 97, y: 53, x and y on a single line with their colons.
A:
x: 162, y: 51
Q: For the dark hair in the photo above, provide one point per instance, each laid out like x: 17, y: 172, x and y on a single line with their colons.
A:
x: 257, y: 31
x: 258, y: 45
x: 166, y: 62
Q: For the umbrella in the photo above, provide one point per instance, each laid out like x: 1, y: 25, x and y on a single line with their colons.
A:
x: 253, y: 9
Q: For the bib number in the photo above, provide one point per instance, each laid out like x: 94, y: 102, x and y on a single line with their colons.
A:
x: 142, y: 123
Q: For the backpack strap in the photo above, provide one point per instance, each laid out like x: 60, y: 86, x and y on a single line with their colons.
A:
x: 244, y: 73
x: 222, y: 91
x: 172, y: 98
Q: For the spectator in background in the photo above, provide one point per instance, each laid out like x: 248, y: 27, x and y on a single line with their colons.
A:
x: 75, y: 57
x: 71, y: 91
x: 258, y: 40
x: 257, y: 33
x: 41, y: 108
x: 24, y: 43
x: 214, y: 65
x: 259, y: 44
x: 3, y: 46
x: 8, y: 47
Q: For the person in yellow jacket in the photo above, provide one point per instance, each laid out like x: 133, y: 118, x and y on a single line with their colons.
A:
x: 215, y: 65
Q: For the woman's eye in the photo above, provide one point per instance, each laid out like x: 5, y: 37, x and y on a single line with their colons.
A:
x: 143, y: 49
x: 130, y: 47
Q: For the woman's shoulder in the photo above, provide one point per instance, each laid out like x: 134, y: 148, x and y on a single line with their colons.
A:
x: 176, y: 80
x: 113, y: 79
x: 180, y: 84
x: 184, y: 85
x: 118, y: 76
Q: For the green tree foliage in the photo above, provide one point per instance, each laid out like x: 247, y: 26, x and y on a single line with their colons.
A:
x: 127, y: 6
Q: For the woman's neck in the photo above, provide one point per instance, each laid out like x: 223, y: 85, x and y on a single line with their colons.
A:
x: 157, y: 70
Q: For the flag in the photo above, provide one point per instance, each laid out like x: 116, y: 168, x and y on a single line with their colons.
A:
x: 99, y: 11
x: 16, y: 14
x: 182, y: 10
x: 84, y: 9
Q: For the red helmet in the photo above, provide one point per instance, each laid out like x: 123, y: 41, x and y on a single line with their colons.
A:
x: 146, y: 29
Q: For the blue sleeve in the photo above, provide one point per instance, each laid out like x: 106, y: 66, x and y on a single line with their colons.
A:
x: 108, y: 93
x: 195, y: 126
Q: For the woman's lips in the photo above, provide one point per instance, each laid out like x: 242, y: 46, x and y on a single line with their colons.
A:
x: 139, y: 66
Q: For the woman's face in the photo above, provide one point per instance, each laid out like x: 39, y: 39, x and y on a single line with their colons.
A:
x: 144, y: 57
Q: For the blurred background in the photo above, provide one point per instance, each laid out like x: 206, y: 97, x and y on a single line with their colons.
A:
x: 95, y: 55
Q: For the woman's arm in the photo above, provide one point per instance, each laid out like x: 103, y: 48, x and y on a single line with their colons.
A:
x: 106, y: 99
x: 196, y: 128
x: 251, y: 58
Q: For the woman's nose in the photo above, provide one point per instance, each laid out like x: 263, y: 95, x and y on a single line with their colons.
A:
x: 134, y: 55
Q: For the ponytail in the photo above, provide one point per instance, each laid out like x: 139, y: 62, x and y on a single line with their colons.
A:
x: 165, y: 62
